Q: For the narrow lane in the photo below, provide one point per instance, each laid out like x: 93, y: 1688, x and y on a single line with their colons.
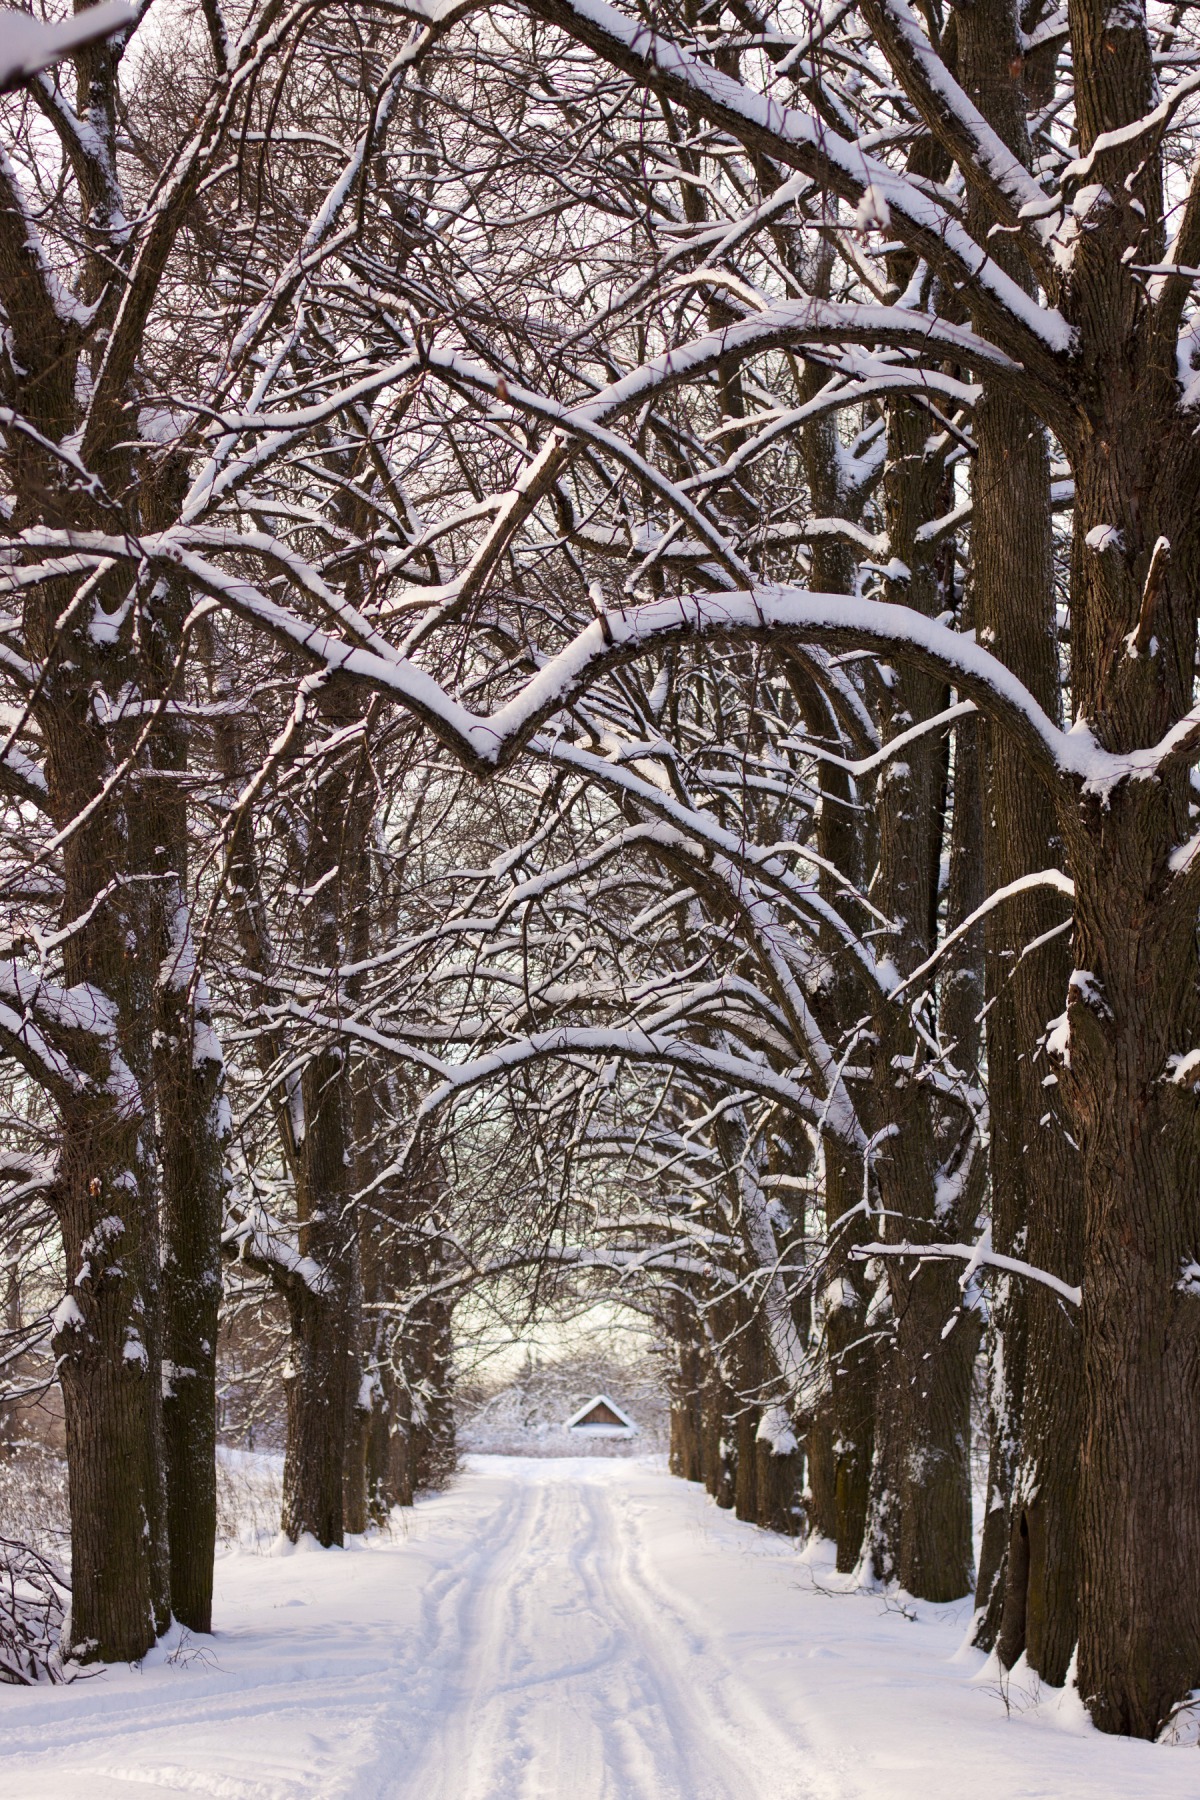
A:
x: 564, y: 1678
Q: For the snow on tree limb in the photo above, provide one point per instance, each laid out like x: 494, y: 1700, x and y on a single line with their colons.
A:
x: 975, y: 1257
x: 1036, y: 336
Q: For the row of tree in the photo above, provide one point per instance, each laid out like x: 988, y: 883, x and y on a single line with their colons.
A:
x: 599, y: 696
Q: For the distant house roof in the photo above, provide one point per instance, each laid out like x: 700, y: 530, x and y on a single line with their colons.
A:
x: 600, y: 1414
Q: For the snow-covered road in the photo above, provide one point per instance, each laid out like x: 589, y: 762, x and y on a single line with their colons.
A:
x: 564, y: 1630
x: 567, y: 1671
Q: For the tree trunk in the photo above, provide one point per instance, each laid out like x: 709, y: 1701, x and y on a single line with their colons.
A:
x: 1026, y: 1602
x: 325, y: 1324
x: 854, y: 1372
x: 821, y: 1493
x: 107, y: 1335
x: 316, y: 1388
x: 192, y: 1118
x: 1139, y: 1619
x: 719, y: 1463
x: 749, y: 1376
x: 883, y: 1529
x: 192, y: 1129
x: 322, y: 1344
x: 361, y: 1400
x: 936, y: 1554
x: 1133, y: 1008
x: 841, y: 1439
x: 935, y: 1339
x: 924, y: 1491
x: 436, y: 1446
x: 685, y: 1453
x: 779, y: 1500
x: 110, y: 1388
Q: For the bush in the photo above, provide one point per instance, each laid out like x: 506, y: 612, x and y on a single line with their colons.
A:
x: 34, y: 1595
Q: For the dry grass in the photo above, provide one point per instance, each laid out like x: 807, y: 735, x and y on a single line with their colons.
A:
x: 33, y: 1498
x: 249, y: 1497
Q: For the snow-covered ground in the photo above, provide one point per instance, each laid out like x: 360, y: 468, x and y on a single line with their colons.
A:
x: 565, y: 1630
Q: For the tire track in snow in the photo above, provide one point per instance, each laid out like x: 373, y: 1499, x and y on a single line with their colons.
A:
x: 563, y: 1631
x: 666, y: 1740
x: 318, y: 1714
x: 719, y: 1730
x: 516, y: 1635
x: 573, y: 1683
x: 519, y: 1644
x: 789, y: 1769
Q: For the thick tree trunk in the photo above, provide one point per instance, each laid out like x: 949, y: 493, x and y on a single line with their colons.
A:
x: 436, y: 1450
x: 361, y: 1380
x: 936, y: 1554
x: 360, y: 1406
x: 851, y: 1354
x: 853, y: 1374
x: 717, y: 1406
x: 388, y: 1479
x: 95, y: 675
x: 322, y: 1349
x: 107, y: 1334
x: 1027, y: 1601
x: 316, y: 1387
x: 749, y: 1378
x: 841, y: 1438
x: 387, y: 1424
x: 935, y: 1341
x: 922, y: 1491
x: 779, y: 1497
x: 883, y: 1532
x: 1139, y: 1616
x: 1133, y: 1007
x: 821, y: 1493
x: 110, y: 1388
x: 325, y: 1325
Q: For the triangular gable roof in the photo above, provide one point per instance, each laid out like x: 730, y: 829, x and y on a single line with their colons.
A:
x: 625, y: 1422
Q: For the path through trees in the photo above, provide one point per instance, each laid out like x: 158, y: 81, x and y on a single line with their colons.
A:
x: 599, y: 702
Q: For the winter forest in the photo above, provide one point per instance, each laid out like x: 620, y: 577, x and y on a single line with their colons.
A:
x: 598, y: 708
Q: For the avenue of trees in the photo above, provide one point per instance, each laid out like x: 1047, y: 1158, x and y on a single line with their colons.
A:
x: 598, y: 700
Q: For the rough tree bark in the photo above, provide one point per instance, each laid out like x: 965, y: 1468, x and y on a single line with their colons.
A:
x: 1134, y: 997
x: 107, y: 1333
x: 322, y: 1352
x: 191, y: 1113
x: 921, y: 1480
x: 1028, y: 1574
x: 841, y: 1438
